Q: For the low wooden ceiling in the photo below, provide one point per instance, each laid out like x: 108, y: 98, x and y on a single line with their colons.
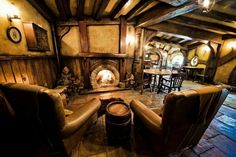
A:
x: 176, y: 21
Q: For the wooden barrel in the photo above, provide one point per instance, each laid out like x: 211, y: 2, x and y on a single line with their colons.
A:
x: 118, y: 120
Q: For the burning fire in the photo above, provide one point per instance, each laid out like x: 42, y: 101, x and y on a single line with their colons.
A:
x: 105, y: 77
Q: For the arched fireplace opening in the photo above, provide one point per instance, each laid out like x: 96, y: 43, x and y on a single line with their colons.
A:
x: 104, y: 76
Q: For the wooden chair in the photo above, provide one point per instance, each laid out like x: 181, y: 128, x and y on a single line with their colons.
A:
x: 200, y: 76
x: 173, y: 83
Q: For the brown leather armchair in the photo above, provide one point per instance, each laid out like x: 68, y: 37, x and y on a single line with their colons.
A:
x: 184, y: 119
x: 41, y: 126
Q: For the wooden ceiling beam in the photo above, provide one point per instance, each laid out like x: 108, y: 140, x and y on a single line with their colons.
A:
x: 81, y: 9
x: 164, y: 12
x: 207, y: 26
x: 101, y: 9
x: 176, y: 40
x: 208, y: 19
x: 196, y: 34
x: 164, y: 41
x: 175, y: 2
x: 43, y: 9
x: 183, y: 41
x: 96, y: 7
x: 195, y: 45
x: 118, y: 8
x: 190, y: 42
x: 215, y: 14
x: 63, y: 7
x: 138, y: 8
x: 228, y: 36
x: 224, y: 9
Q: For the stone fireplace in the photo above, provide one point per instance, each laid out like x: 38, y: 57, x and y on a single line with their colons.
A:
x: 104, y: 76
x: 101, y: 70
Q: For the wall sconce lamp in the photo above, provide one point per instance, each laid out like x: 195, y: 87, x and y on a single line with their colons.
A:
x: 10, y: 17
x: 129, y: 39
x: 12, y: 12
x: 232, y: 45
x: 206, y: 5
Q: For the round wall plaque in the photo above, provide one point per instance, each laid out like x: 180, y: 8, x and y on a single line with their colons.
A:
x: 14, y: 34
x: 194, y: 61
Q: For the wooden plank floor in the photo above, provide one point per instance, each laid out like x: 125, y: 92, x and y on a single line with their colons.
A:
x: 219, y: 139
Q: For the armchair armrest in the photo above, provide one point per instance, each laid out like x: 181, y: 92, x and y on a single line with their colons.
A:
x: 80, y: 116
x: 149, y: 118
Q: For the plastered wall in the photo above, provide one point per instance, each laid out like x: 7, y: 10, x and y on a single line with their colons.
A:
x: 223, y: 72
x: 203, y: 53
x: 27, y: 14
x: 101, y: 39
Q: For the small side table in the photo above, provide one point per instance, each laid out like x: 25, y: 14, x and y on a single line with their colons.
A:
x: 118, y: 121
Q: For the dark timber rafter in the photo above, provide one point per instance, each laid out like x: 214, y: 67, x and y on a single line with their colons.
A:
x: 96, y: 7
x: 217, y: 15
x: 217, y: 28
x: 163, y: 12
x: 193, y: 46
x: 43, y: 9
x: 63, y: 7
x: 118, y: 8
x: 101, y: 9
x: 81, y: 9
x: 164, y: 41
x: 174, y: 2
x: 183, y: 41
x: 138, y: 8
x: 190, y: 42
x: 194, y: 33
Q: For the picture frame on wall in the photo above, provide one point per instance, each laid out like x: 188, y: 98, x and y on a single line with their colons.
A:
x: 36, y: 37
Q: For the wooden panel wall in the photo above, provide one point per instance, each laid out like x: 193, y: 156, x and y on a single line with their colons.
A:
x: 30, y: 70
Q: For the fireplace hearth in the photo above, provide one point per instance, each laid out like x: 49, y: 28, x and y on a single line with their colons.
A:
x: 104, y: 76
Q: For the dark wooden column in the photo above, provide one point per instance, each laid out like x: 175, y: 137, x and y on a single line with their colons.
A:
x: 137, y: 62
x: 83, y: 36
x: 84, y: 49
x: 123, y: 32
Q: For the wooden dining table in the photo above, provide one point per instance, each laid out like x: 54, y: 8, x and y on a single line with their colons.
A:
x: 160, y: 73
x: 193, y: 70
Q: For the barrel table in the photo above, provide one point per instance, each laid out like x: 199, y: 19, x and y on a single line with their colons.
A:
x: 118, y: 121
